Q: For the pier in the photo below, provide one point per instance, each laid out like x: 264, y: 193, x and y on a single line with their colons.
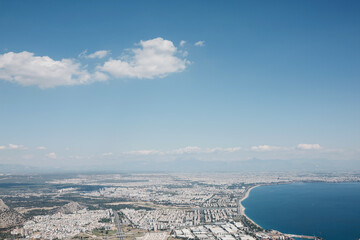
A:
x: 303, y: 236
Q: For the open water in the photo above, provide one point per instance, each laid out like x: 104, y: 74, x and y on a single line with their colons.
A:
x: 328, y: 210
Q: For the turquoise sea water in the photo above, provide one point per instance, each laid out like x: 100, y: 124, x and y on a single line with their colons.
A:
x: 328, y: 210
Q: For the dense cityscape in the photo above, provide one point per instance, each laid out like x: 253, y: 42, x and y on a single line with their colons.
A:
x: 139, y: 206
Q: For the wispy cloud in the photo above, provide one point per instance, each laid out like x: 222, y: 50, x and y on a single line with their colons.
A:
x: 107, y: 154
x: 98, y: 54
x: 16, y: 146
x: 144, y: 152
x: 301, y: 146
x: 262, y: 148
x: 51, y: 155
x: 41, y: 148
x: 188, y: 149
x: 13, y: 147
x: 185, y: 150
x: 182, y: 43
x: 194, y: 149
x: 200, y: 43
x: 305, y: 146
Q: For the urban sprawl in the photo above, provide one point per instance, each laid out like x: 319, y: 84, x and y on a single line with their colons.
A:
x: 140, y: 206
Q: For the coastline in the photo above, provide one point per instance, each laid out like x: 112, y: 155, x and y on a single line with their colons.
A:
x: 242, y: 214
x: 242, y: 208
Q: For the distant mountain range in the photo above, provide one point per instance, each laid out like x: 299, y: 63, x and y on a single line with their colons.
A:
x: 253, y: 165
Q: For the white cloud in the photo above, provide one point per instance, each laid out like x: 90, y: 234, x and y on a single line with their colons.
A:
x: 188, y: 149
x: 182, y: 43
x: 200, y: 43
x: 51, y: 155
x: 155, y: 58
x: 98, y: 54
x: 144, y: 152
x: 233, y: 149
x: 302, y: 146
x: 305, y: 146
x: 194, y: 149
x: 41, y: 148
x: 13, y: 147
x: 100, y: 76
x: 262, y: 148
x: 27, y: 69
x: 185, y: 150
x: 107, y: 154
x: 83, y: 54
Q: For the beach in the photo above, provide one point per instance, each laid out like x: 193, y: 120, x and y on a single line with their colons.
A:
x: 242, y: 208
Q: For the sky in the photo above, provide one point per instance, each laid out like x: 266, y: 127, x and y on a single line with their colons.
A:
x: 103, y: 82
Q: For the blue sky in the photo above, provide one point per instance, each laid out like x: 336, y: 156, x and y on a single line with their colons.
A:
x: 95, y: 81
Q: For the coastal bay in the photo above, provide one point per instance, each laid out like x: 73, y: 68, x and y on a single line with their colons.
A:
x: 327, y: 210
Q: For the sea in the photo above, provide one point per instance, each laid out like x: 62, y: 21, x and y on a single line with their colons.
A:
x: 327, y: 210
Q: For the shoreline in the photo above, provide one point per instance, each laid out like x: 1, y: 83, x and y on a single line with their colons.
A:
x: 242, y: 213
x: 242, y: 208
